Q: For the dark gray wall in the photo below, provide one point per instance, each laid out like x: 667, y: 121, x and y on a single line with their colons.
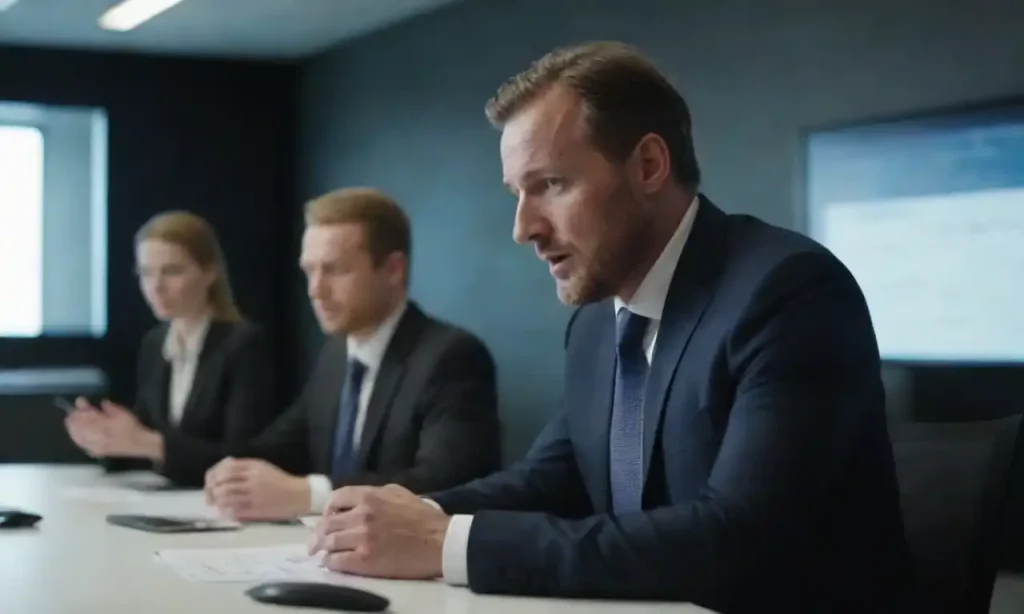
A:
x: 215, y: 137
x: 402, y: 110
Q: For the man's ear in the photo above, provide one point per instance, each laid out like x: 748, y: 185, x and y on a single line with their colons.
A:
x: 650, y: 164
x: 397, y: 267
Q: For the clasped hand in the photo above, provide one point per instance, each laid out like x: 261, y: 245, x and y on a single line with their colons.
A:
x: 386, y: 532
x: 111, y: 430
x: 253, y: 489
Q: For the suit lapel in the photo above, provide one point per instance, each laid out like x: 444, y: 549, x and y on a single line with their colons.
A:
x: 688, y: 297
x: 389, y: 377
x: 329, y: 397
x: 162, y: 402
x: 158, y: 379
x: 599, y: 392
x: 215, y: 336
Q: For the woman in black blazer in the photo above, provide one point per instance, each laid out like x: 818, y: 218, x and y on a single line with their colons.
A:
x: 205, y: 374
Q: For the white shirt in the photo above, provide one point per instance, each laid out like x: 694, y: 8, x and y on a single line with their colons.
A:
x: 181, y: 350
x: 648, y: 301
x: 370, y: 352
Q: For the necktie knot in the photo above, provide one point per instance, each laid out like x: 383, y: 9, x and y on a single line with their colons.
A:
x: 356, y: 371
x: 630, y: 328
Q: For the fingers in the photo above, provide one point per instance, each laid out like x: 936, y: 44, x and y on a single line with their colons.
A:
x: 233, y: 491
x: 84, y: 418
x: 358, y: 562
x: 226, y: 477
x: 73, y: 423
x: 236, y: 500
x: 348, y: 508
x: 110, y: 407
x: 229, y: 470
x: 83, y: 403
x: 354, y: 538
x: 233, y: 499
x: 351, y: 523
x: 346, y: 498
x: 209, y: 482
x: 95, y: 445
x: 87, y: 433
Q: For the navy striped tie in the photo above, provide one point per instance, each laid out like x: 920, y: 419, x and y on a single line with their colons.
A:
x: 626, y: 437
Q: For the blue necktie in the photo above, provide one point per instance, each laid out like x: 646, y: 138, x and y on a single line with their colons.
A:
x: 626, y: 437
x: 344, y: 460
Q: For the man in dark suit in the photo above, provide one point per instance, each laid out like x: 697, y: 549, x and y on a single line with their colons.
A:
x: 723, y: 438
x: 395, y: 397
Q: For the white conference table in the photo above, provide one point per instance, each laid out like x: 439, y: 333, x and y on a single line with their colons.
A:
x: 73, y: 562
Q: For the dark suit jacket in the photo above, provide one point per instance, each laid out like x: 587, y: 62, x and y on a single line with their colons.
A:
x: 769, y: 477
x: 232, y: 398
x: 432, y: 418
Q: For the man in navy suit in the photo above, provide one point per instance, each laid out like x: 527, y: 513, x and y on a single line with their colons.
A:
x: 723, y: 437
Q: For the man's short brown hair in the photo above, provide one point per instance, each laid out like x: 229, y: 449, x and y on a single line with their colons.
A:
x: 624, y: 95
x: 385, y: 225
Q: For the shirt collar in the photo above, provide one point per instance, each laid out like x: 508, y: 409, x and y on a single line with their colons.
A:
x: 370, y: 351
x: 649, y: 300
x: 181, y: 346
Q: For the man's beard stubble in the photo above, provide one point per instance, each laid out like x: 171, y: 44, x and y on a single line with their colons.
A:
x: 601, y: 275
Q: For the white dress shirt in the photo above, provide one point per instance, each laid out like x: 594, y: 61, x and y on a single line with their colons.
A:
x: 181, y: 350
x: 370, y: 352
x: 648, y: 301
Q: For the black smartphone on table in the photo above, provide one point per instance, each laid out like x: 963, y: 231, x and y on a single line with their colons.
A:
x: 164, y: 524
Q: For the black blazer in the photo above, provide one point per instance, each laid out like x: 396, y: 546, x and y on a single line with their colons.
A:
x: 232, y: 397
x: 432, y: 419
x: 769, y: 476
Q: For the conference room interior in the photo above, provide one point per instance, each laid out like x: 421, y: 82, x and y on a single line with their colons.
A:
x: 242, y: 111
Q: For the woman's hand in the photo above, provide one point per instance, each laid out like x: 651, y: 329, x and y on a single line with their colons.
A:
x: 112, y: 430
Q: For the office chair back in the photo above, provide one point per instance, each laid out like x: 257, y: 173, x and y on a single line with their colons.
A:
x: 954, y: 479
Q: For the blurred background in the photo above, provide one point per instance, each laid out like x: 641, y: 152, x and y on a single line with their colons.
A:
x: 890, y: 130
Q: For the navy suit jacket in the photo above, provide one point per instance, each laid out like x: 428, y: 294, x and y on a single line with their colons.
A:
x: 769, y: 477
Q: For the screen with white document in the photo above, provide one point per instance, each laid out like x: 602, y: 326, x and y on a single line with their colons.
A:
x: 928, y: 215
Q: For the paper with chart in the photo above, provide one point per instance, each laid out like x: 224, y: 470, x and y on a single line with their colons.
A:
x: 260, y: 564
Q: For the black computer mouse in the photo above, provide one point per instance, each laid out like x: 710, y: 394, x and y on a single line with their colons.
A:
x: 316, y: 595
x: 18, y: 519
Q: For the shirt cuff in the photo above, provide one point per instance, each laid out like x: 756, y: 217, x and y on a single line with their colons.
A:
x: 454, y: 556
x: 320, y: 489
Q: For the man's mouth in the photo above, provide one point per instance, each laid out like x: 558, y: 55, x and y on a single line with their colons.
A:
x: 558, y: 265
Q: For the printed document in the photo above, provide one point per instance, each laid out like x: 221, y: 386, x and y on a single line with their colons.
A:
x: 262, y: 564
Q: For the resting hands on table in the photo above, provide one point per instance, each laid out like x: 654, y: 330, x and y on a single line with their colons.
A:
x: 253, y: 489
x: 386, y: 532
x: 112, y: 430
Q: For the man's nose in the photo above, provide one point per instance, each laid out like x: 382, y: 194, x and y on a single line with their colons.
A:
x: 530, y: 224
x: 315, y: 285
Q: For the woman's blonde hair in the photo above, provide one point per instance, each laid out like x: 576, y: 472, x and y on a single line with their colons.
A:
x: 195, y: 235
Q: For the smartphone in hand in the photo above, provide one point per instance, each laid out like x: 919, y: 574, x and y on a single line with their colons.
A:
x: 64, y: 404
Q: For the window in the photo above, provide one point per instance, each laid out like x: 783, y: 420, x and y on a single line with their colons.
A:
x: 53, y: 216
x: 21, y: 231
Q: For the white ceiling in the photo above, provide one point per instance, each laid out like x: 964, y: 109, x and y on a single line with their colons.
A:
x: 259, y: 29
